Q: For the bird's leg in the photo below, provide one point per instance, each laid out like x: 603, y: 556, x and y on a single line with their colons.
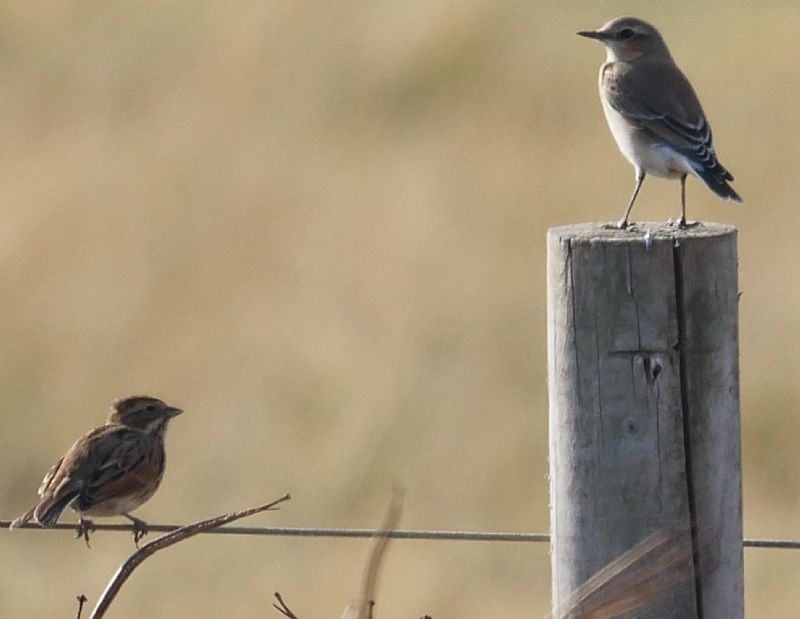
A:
x: 623, y: 223
x: 682, y: 223
x: 83, y: 529
x: 140, y: 528
x: 682, y: 220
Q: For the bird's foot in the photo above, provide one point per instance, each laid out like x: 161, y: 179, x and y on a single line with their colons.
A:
x: 621, y: 225
x: 682, y: 224
x: 83, y: 529
x: 140, y: 528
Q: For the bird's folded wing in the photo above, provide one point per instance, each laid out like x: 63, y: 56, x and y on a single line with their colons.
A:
x: 49, y: 477
x: 661, y: 102
x: 65, y: 475
x: 128, y: 464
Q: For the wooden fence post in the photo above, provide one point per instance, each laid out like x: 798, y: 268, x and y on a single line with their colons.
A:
x: 644, y: 420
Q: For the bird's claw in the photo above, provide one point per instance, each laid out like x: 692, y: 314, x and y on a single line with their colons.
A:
x: 682, y: 224
x: 83, y: 529
x: 140, y: 528
x: 621, y: 225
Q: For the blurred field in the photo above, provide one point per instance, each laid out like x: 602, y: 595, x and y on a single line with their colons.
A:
x: 319, y: 228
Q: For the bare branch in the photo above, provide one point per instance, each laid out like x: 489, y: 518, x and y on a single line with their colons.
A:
x: 82, y: 599
x: 184, y: 532
x: 363, y: 608
x: 283, y: 608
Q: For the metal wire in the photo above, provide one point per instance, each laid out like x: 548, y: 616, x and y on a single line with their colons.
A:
x: 471, y: 536
x: 772, y: 543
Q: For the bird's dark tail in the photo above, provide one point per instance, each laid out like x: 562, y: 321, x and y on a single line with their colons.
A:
x: 47, y: 512
x: 716, y: 179
x: 18, y: 522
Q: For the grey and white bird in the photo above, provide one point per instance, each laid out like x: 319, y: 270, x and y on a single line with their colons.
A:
x: 654, y: 113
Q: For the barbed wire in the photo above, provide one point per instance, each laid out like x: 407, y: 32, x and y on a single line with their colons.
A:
x: 470, y: 536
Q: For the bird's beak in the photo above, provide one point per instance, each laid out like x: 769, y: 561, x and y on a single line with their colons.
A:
x: 173, y: 412
x: 593, y: 34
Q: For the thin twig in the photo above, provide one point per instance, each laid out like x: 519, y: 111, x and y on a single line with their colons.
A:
x: 283, y: 608
x: 363, y: 608
x: 82, y: 599
x: 379, y: 545
x: 184, y: 532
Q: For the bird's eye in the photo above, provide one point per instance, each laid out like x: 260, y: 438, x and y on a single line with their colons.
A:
x: 626, y: 34
x: 150, y: 408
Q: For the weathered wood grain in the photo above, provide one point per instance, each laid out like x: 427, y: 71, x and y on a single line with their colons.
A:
x: 644, y: 411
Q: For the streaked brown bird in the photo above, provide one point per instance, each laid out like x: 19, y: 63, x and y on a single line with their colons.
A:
x: 654, y: 113
x: 110, y: 471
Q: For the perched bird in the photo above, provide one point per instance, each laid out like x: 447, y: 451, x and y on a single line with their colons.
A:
x: 654, y: 113
x: 110, y: 471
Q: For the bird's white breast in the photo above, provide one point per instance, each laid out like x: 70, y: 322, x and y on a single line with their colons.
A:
x: 656, y: 159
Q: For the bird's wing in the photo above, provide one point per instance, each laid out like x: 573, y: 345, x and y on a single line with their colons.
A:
x: 49, y: 477
x: 125, y: 462
x: 64, y: 475
x: 64, y: 481
x: 107, y: 462
x: 658, y: 99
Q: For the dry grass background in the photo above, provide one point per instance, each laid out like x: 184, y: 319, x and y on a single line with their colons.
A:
x: 319, y: 228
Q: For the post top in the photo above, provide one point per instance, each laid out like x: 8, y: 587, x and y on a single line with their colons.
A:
x: 641, y: 231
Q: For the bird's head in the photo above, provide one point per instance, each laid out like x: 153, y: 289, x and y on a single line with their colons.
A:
x: 628, y: 38
x: 143, y: 413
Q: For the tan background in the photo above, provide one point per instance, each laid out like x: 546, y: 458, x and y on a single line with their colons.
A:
x: 319, y: 228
